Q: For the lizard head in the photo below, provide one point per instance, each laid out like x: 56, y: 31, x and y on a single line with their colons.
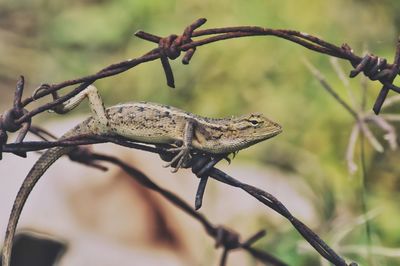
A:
x: 253, y: 128
x: 232, y: 134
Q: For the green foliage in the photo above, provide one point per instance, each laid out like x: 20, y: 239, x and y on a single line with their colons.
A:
x: 51, y: 41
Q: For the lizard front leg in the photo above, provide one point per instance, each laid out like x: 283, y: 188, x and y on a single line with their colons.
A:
x: 184, y: 151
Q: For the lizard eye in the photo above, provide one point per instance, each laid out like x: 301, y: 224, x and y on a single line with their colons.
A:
x: 254, y: 122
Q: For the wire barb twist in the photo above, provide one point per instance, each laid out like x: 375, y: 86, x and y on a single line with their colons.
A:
x: 170, y: 47
x: 18, y: 118
x: 377, y: 68
x: 8, y: 120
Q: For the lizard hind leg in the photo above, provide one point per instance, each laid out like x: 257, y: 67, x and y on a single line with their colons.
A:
x: 95, y: 103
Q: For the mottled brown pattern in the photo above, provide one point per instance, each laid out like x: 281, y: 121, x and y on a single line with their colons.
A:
x: 156, y: 123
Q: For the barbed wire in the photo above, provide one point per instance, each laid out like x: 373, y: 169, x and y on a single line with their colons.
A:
x: 170, y: 47
x: 202, y: 166
x: 18, y: 118
x: 224, y: 237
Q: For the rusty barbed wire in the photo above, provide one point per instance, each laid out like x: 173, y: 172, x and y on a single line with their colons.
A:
x: 224, y: 237
x: 170, y: 47
x: 18, y: 118
x: 203, y: 167
x: 363, y: 119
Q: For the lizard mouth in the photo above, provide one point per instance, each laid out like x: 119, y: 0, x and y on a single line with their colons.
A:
x: 270, y: 132
x: 273, y: 130
x: 276, y: 132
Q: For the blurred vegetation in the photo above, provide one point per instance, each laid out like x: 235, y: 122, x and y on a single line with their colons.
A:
x: 51, y: 41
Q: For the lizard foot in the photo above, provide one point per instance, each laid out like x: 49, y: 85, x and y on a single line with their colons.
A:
x: 180, y: 159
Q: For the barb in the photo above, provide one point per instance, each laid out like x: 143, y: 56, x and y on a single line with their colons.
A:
x: 202, y: 167
x: 171, y: 46
x: 8, y: 121
x: 376, y: 68
x: 18, y: 118
x: 267, y: 199
x: 361, y: 117
x: 223, y: 236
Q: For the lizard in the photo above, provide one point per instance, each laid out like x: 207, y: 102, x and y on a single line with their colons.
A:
x: 150, y: 123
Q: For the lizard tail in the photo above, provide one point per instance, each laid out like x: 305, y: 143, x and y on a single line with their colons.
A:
x: 44, y: 162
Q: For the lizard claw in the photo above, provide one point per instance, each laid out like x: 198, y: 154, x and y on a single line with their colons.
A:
x: 228, y: 159
x: 180, y: 159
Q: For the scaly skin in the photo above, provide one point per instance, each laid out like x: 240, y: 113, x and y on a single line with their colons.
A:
x: 161, y: 124
x: 154, y: 124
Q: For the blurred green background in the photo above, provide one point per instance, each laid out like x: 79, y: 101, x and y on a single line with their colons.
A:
x: 52, y: 41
